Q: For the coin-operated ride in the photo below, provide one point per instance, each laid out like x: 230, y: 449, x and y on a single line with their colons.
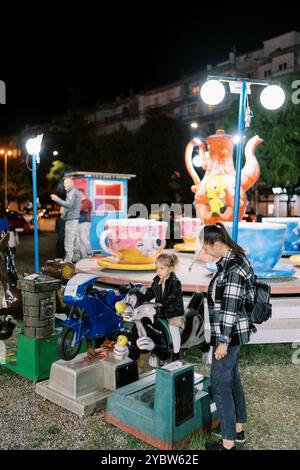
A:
x: 150, y: 333
x: 92, y: 315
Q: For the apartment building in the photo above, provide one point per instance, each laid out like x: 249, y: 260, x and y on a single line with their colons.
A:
x: 277, y: 57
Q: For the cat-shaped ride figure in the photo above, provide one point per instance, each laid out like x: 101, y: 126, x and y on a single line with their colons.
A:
x: 149, y: 333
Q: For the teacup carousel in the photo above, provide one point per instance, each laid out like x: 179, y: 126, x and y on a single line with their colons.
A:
x: 133, y: 244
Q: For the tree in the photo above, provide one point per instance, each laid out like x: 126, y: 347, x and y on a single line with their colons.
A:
x: 19, y: 186
x: 280, y: 152
x: 57, y: 171
x: 160, y: 143
x: 153, y: 154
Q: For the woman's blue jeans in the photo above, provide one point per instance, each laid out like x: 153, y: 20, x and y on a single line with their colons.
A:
x: 228, y: 392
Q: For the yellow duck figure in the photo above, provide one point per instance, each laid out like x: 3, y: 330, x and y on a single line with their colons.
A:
x: 121, y: 350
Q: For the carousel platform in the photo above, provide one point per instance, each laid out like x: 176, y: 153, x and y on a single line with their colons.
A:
x: 284, y: 327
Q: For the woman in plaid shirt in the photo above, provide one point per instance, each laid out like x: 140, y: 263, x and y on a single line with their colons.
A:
x: 230, y: 293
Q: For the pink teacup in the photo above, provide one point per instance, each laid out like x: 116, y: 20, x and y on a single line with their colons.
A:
x: 134, y: 241
x: 190, y: 229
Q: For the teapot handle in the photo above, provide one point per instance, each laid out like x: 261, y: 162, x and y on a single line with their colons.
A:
x: 188, y: 160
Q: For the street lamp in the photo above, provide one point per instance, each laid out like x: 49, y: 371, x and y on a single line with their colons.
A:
x: 272, y: 97
x: 33, y: 147
x: 6, y: 153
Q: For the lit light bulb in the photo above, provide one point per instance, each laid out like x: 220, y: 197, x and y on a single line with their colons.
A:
x: 33, y: 146
x: 212, y: 92
x: 272, y: 97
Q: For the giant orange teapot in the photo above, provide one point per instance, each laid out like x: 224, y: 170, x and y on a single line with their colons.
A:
x: 214, y: 194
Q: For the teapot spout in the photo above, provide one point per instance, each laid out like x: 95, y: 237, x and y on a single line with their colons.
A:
x: 251, y: 170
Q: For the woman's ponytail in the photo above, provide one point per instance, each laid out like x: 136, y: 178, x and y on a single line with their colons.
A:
x: 218, y: 233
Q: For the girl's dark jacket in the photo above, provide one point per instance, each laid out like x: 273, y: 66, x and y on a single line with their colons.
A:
x: 171, y: 299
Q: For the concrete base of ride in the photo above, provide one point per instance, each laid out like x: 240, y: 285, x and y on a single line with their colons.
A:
x: 82, y: 386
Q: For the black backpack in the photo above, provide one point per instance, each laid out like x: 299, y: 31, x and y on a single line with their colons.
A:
x: 262, y: 308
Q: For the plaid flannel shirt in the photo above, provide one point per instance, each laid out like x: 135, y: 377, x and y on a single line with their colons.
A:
x: 234, y: 294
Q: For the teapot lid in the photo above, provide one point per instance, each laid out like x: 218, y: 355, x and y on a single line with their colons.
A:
x: 220, y: 133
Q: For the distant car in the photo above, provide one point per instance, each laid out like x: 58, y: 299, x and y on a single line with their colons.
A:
x: 48, y: 213
x: 18, y: 223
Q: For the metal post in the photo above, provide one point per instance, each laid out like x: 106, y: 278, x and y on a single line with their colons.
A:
x: 35, y: 215
x: 239, y: 160
x: 5, y: 180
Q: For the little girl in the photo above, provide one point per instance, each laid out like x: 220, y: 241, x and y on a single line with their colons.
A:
x: 166, y: 289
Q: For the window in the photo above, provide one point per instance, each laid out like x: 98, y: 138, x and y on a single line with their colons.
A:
x: 268, y: 73
x: 282, y: 66
x: 193, y: 108
x: 196, y: 90
x: 193, y: 88
x: 108, y: 196
x: 211, y: 128
x: 125, y: 112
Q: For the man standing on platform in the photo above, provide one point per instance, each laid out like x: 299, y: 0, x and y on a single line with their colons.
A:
x: 71, y: 216
x: 85, y: 225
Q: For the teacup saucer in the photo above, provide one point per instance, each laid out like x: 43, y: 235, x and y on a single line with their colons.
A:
x: 295, y: 260
x: 184, y: 247
x: 290, y: 253
x: 280, y: 270
x: 110, y: 263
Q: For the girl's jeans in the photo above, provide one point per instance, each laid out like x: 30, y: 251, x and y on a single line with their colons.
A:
x: 228, y: 392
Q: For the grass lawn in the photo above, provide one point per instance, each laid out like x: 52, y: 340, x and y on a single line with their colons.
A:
x: 271, y: 382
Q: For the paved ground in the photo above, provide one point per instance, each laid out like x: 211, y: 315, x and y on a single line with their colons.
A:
x: 25, y: 251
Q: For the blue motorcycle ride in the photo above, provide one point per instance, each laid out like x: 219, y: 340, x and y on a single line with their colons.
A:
x: 92, y: 314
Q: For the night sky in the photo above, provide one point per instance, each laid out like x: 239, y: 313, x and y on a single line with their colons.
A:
x: 101, y: 55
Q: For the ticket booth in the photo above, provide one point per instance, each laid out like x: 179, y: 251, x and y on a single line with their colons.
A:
x: 108, y: 193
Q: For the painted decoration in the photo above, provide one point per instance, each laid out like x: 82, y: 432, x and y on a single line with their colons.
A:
x: 214, y: 194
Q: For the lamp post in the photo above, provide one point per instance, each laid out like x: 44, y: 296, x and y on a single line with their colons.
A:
x: 33, y: 147
x: 272, y: 97
x: 6, y: 153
